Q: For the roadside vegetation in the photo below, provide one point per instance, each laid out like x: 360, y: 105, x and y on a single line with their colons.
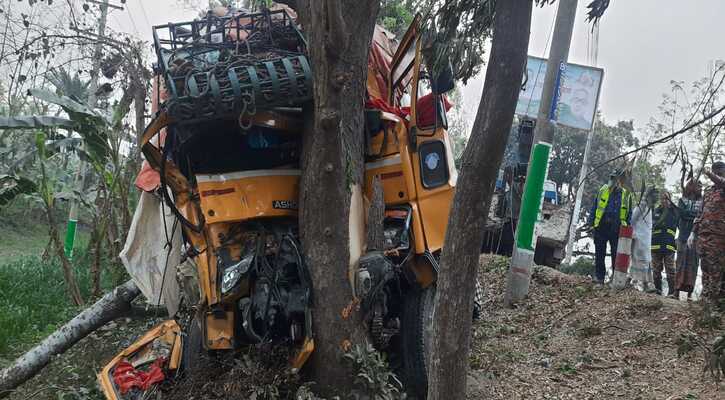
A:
x: 33, y: 298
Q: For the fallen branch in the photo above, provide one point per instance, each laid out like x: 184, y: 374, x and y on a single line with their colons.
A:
x: 111, y: 306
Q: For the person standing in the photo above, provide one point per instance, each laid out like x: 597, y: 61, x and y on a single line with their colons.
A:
x: 611, y: 209
x: 709, y: 234
x: 689, y: 207
x: 664, y: 229
x: 640, y: 269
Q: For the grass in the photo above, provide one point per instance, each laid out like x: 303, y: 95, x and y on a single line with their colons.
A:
x: 33, y: 300
x: 583, y: 266
x: 24, y: 231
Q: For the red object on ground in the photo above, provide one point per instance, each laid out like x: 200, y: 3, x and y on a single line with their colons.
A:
x: 126, y: 377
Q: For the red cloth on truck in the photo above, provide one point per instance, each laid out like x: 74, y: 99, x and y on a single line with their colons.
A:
x: 383, y: 105
x: 426, y: 108
x: 427, y: 111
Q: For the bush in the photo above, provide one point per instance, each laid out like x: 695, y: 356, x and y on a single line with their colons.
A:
x: 581, y: 266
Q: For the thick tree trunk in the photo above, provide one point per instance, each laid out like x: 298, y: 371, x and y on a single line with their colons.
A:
x: 464, y: 235
x: 331, y: 207
x: 376, y: 217
x: 109, y: 307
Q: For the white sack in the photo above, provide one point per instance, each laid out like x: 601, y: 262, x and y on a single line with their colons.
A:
x: 641, y: 267
x: 145, y: 254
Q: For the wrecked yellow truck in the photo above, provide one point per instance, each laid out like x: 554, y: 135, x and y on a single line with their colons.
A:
x: 224, y: 150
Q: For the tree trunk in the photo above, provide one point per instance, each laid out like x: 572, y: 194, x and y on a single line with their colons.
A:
x: 331, y: 207
x: 464, y: 235
x: 96, y: 248
x: 376, y: 217
x: 109, y: 307
x: 71, y: 283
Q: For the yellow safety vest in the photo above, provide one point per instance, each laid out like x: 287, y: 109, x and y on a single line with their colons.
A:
x: 603, y: 200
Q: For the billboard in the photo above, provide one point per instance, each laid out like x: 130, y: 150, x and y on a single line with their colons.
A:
x: 577, y: 98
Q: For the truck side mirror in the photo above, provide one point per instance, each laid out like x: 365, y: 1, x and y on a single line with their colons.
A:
x: 444, y: 82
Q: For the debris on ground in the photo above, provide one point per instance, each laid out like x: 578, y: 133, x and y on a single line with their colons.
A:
x: 571, y: 339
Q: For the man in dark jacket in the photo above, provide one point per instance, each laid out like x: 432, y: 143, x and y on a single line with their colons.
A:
x: 664, y: 228
x: 611, y: 209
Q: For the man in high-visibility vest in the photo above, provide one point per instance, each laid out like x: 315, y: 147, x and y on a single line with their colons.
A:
x: 611, y: 209
x: 664, y: 228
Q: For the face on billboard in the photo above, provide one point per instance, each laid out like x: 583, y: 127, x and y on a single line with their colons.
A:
x: 578, y: 93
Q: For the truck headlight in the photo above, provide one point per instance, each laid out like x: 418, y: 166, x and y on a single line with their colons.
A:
x: 234, y: 272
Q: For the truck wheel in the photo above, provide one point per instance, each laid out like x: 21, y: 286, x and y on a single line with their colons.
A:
x: 416, y: 333
x: 193, y: 347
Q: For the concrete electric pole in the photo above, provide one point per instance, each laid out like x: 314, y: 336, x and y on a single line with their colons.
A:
x: 519, y: 274
x: 592, y: 59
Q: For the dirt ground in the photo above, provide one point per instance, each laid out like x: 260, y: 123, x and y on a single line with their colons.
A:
x: 570, y: 340
x: 574, y: 340
x: 72, y: 375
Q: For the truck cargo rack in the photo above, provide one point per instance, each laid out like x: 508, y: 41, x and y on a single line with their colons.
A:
x: 221, y: 67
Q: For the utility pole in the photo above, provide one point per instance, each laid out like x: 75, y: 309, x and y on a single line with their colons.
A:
x: 593, y: 60
x: 522, y: 259
x: 70, y: 233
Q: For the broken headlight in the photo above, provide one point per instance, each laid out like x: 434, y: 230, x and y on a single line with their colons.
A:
x: 234, y: 272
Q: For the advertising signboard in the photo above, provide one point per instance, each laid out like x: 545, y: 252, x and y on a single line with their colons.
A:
x: 577, y: 96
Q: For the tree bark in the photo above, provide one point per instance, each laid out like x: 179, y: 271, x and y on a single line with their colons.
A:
x: 331, y: 207
x: 469, y: 211
x: 71, y: 283
x: 376, y: 217
x: 109, y: 307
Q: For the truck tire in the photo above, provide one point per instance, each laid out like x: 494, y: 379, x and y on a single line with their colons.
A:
x: 193, y: 347
x: 417, y: 326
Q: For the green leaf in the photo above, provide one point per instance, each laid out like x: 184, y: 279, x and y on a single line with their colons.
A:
x: 64, y: 102
x: 35, y: 121
x: 90, y: 125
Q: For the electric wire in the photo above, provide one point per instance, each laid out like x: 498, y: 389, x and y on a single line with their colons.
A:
x: 546, y: 47
x: 145, y: 15
x: 130, y: 16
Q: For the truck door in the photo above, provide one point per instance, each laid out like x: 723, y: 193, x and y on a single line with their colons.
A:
x: 429, y: 149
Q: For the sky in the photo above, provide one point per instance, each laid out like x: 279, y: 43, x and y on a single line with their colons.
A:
x: 643, y: 45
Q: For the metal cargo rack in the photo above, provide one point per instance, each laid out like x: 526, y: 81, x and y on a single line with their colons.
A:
x: 216, y: 67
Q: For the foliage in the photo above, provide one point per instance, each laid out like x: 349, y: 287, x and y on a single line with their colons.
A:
x: 457, y: 31
x: 703, y: 144
x: 69, y: 85
x: 713, y: 351
x: 568, y: 153
x: 26, y: 316
x: 89, y: 124
x: 373, y: 378
x: 581, y: 266
x: 11, y: 186
x: 395, y: 16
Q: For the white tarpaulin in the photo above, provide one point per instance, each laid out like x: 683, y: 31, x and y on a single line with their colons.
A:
x: 146, y: 255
